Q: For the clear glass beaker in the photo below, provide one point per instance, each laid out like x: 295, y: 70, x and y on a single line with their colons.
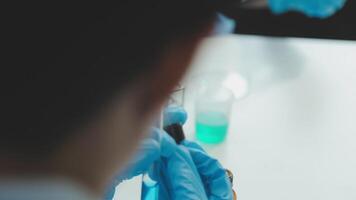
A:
x: 212, y: 113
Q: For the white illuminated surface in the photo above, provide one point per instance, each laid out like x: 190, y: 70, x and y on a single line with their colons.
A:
x: 129, y: 190
x: 293, y: 136
x: 237, y: 84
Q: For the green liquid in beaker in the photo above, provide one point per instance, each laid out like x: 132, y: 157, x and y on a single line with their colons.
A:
x: 211, y: 127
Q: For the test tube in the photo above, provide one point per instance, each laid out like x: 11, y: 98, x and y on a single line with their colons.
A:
x: 150, y: 186
x: 176, y: 130
x: 177, y: 96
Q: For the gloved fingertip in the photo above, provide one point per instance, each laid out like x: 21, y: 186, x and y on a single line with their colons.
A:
x: 174, y: 114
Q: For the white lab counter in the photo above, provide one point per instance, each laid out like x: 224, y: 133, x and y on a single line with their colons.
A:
x: 294, y: 135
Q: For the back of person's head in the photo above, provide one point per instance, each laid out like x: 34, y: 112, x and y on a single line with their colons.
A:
x: 64, y: 64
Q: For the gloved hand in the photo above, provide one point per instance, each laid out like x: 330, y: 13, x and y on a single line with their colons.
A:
x: 185, y: 171
x: 312, y: 8
x: 191, y: 172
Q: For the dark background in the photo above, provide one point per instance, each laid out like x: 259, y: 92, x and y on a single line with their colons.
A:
x: 263, y: 22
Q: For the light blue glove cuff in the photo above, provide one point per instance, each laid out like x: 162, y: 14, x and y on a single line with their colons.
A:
x: 311, y: 8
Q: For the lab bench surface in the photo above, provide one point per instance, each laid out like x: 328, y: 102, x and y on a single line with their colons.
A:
x: 293, y: 136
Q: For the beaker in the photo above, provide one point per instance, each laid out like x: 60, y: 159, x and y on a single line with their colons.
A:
x: 212, y: 113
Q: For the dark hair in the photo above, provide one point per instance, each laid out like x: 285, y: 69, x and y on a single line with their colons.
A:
x: 63, y: 61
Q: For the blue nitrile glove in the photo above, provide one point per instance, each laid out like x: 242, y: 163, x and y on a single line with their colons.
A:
x: 174, y: 115
x: 312, y: 8
x: 211, y: 173
x: 157, y: 146
x: 178, y: 177
x: 217, y: 185
x: 185, y: 171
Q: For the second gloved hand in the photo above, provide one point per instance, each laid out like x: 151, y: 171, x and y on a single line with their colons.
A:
x: 312, y: 8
